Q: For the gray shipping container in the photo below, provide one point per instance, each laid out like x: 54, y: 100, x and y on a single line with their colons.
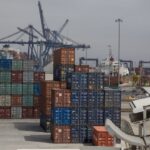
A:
x: 16, y: 112
x: 28, y: 76
x: 27, y: 65
x: 5, y: 100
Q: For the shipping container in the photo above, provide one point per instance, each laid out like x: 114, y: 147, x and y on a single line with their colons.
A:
x: 28, y: 65
x: 78, y: 116
x: 79, y: 134
x: 16, y: 89
x: 112, y: 98
x: 16, y: 112
x: 37, y: 89
x: 82, y: 68
x: 114, y: 114
x: 64, y: 56
x: 46, y: 86
x: 28, y: 76
x: 28, y: 89
x: 95, y: 116
x: 77, y: 80
x: 5, y: 77
x: 101, y: 137
x: 5, y: 112
x: 96, y: 98
x: 27, y: 112
x: 5, y: 100
x: 61, y: 134
x: 61, y: 116
x: 75, y: 97
x: 16, y: 100
x: 17, y: 65
x: 5, y: 64
x: 27, y: 100
x: 16, y: 76
x: 36, y: 101
x: 39, y: 76
x: 5, y: 89
x: 60, y: 71
x: 61, y: 98
x: 95, y: 81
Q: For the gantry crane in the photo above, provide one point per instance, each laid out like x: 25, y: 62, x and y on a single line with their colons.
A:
x: 40, y: 44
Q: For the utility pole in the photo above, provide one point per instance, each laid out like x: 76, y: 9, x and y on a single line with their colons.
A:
x: 118, y: 21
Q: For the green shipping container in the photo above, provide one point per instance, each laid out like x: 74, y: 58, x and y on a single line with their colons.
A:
x: 28, y: 89
x: 17, y: 65
x: 5, y: 89
x: 5, y: 77
x: 27, y: 100
x: 16, y: 89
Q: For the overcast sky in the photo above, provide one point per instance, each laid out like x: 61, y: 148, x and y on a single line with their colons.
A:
x: 90, y: 22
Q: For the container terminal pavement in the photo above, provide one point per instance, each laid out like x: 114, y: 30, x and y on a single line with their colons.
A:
x: 27, y: 134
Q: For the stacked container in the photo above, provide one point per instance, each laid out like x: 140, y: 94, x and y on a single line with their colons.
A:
x: 113, y: 105
x: 17, y: 89
x: 101, y: 137
x: 87, y: 101
x: 5, y: 88
x: 61, y: 116
x: 64, y: 60
x: 45, y: 105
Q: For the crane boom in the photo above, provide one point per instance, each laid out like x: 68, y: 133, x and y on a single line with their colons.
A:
x: 63, y: 26
x: 42, y: 19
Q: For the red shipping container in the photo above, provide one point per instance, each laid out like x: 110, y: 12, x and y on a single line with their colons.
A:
x: 5, y: 112
x: 16, y: 76
x: 39, y: 76
x: 16, y: 100
x: 61, y: 98
x: 61, y: 134
x: 101, y: 137
x: 82, y: 68
x: 27, y: 112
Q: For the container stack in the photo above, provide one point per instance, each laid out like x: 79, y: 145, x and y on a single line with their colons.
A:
x: 113, y: 105
x: 18, y: 90
x: 87, y: 100
x: 64, y: 61
x: 101, y: 137
x: 83, y: 104
x: 61, y: 116
x: 45, y: 105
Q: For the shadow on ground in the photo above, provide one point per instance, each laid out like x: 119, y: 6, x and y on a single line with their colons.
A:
x: 38, y: 138
x: 27, y: 126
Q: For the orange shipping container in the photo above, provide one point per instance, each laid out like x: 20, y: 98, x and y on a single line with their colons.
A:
x: 101, y: 137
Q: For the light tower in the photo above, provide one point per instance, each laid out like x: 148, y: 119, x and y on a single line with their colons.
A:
x: 119, y: 22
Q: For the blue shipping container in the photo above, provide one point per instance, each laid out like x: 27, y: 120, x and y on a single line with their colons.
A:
x: 5, y: 64
x: 61, y: 116
x: 95, y: 116
x: 37, y: 89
